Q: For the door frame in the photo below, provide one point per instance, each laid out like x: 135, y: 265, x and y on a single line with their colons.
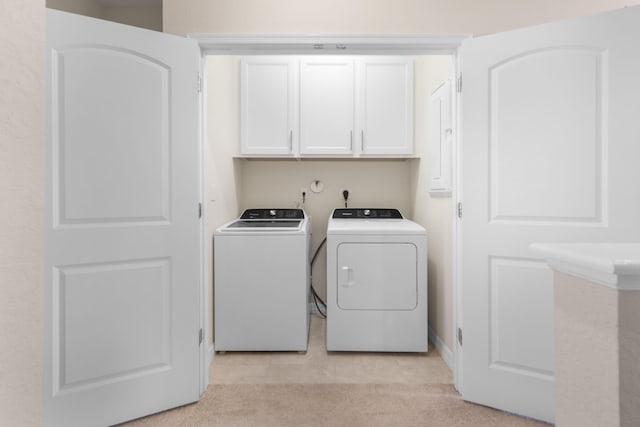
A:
x: 330, y: 44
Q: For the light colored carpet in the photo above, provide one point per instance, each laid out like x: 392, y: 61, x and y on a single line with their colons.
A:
x: 318, y: 366
x: 320, y: 388
x: 351, y: 405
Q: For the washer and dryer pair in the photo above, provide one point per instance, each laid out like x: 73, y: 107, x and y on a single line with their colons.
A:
x: 376, y: 282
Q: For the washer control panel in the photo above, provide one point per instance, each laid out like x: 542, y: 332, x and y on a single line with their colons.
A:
x: 272, y: 214
x: 367, y: 213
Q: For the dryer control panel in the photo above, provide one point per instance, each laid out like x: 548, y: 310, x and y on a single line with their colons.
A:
x: 367, y: 213
x: 272, y: 214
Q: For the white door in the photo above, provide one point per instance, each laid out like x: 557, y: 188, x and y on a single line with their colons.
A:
x: 327, y: 105
x: 122, y: 232
x: 550, y: 150
x: 268, y: 105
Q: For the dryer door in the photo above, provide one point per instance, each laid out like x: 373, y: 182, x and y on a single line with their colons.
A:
x: 377, y: 276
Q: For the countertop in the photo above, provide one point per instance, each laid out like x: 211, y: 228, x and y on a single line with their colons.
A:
x: 615, y: 265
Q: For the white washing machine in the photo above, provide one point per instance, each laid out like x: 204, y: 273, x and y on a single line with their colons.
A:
x: 261, y: 281
x: 376, y: 282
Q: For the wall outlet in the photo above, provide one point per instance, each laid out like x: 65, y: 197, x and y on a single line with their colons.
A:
x: 317, y: 186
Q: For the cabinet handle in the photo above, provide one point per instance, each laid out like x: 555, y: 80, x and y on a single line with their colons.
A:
x: 351, y: 141
x: 362, y: 141
x: 291, y: 141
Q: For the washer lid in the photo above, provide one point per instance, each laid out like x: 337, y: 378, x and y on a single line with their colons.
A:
x: 261, y: 221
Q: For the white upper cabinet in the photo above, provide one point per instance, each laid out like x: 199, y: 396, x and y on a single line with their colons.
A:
x: 268, y: 96
x: 327, y: 105
x: 384, y: 106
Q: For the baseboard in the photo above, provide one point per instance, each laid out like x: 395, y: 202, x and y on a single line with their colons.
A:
x: 447, y: 355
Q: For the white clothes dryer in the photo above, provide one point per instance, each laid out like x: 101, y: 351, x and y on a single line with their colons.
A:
x: 376, y: 282
x: 262, y: 281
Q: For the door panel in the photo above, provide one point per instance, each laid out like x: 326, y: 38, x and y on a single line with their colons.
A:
x: 94, y: 176
x: 549, y: 150
x: 517, y: 324
x: 532, y: 151
x: 86, y: 298
x: 123, y: 233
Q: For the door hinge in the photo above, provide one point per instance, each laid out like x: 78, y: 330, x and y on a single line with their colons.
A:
x: 459, y: 83
x: 459, y: 209
x: 460, y: 336
x: 200, y: 337
x: 199, y: 210
x: 199, y: 83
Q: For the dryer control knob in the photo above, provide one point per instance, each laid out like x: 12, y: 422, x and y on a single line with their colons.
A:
x: 272, y: 212
x: 367, y: 212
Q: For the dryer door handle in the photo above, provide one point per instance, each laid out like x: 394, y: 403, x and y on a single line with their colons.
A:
x: 346, y: 276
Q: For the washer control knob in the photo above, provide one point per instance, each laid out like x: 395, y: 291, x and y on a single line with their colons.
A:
x: 367, y: 212
x: 272, y: 212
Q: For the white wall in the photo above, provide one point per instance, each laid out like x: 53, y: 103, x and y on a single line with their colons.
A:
x: 223, y: 172
x: 90, y: 8
x: 434, y: 213
x: 142, y: 15
x: 22, y: 121
x: 371, y: 16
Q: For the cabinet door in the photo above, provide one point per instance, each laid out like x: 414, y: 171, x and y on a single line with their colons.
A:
x: 326, y: 105
x: 385, y: 106
x: 440, y: 139
x: 268, y: 108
